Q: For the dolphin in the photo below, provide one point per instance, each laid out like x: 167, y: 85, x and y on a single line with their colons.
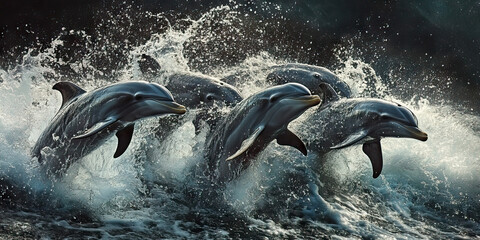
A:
x: 195, y: 90
x: 310, y: 76
x: 88, y: 119
x: 203, y: 93
x: 349, y: 121
x: 252, y: 124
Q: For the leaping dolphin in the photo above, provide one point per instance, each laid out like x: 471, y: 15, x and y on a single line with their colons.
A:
x: 191, y: 89
x: 252, y: 124
x: 88, y: 119
x: 345, y: 122
x: 204, y: 93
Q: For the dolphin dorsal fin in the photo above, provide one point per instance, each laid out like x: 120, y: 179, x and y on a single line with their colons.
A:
x: 328, y: 94
x: 247, y: 143
x: 68, y: 91
x: 373, y: 149
x: 289, y: 138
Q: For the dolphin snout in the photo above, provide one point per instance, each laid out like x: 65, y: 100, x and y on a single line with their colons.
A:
x: 174, y: 107
x: 308, y: 100
x: 418, y: 134
x: 408, y: 131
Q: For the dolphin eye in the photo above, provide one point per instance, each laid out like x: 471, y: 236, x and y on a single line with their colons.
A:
x: 316, y: 75
x: 210, y: 97
x: 138, y: 97
x: 384, y: 117
x: 273, y: 99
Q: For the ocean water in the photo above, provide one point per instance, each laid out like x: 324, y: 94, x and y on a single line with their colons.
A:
x: 426, y: 190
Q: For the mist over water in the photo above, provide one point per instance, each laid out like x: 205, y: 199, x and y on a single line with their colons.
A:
x: 426, y: 190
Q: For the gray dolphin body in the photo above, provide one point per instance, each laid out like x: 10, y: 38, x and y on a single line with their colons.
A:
x: 252, y: 125
x: 88, y: 119
x: 196, y: 90
x: 344, y: 122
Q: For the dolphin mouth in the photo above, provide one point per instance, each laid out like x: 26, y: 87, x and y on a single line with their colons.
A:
x: 402, y: 130
x: 309, y: 100
x: 173, y: 107
x: 414, y: 132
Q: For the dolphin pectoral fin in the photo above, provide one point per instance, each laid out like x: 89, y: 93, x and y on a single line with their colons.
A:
x: 289, y: 138
x: 247, y: 143
x: 96, y: 128
x: 373, y: 149
x: 352, y: 139
x: 68, y: 91
x: 124, y: 138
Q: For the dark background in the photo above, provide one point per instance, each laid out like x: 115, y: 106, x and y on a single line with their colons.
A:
x: 419, y: 40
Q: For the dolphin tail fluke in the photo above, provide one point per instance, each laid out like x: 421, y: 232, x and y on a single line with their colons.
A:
x: 124, y: 138
x: 373, y: 149
x: 289, y: 138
